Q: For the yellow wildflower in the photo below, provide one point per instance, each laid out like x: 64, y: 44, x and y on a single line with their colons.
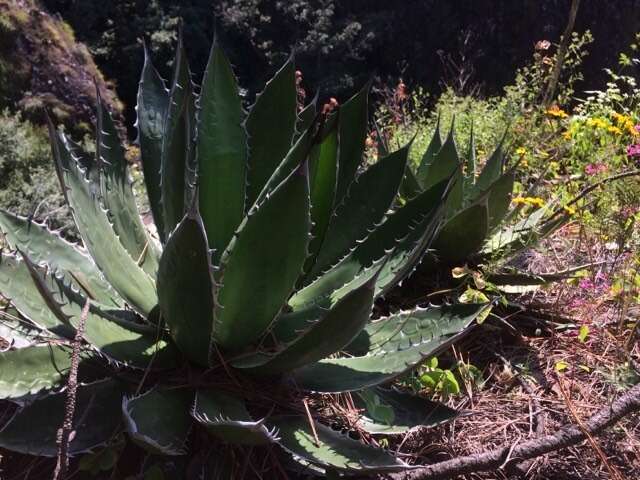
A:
x: 569, y: 210
x: 614, y: 130
x: 597, y: 123
x: 521, y: 151
x: 556, y: 112
x: 567, y: 134
x: 534, y: 201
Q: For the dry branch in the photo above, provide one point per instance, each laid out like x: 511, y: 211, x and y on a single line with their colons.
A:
x: 567, y: 436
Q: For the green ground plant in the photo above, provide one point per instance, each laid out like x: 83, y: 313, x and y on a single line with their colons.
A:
x: 256, y: 289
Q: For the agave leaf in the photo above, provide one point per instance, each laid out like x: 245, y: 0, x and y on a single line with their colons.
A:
x: 470, y: 165
x: 428, y: 158
x: 120, y: 270
x: 95, y: 422
x: 270, y: 127
x: 512, y: 239
x: 17, y: 286
x: 152, y: 107
x: 405, y: 342
x: 117, y: 194
x: 390, y: 411
x: 30, y: 370
x: 45, y: 246
x: 410, y: 186
x: 463, y: 235
x: 176, y: 142
x: 17, y: 331
x: 493, y: 168
x: 263, y: 262
x: 324, y: 335
x: 113, y: 337
x: 159, y: 420
x: 333, y: 450
x: 221, y: 151
x: 500, y: 199
x: 186, y: 288
x: 226, y: 417
x: 352, y: 132
x: 323, y: 166
x: 306, y: 116
x: 399, y: 232
x: 360, y: 211
x: 298, y: 154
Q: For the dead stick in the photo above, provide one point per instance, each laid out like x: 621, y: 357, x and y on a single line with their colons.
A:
x: 64, y: 433
x: 567, y: 436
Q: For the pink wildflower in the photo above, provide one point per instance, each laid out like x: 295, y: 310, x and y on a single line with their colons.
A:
x: 595, y: 168
x: 637, y: 128
x: 633, y: 150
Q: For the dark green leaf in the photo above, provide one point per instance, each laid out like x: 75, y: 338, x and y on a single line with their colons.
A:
x: 333, y: 449
x: 462, y: 235
x: 33, y: 430
x: 186, y: 288
x: 226, y: 417
x: 263, y: 262
x: 159, y: 420
x: 270, y: 127
x: 352, y: 133
x: 153, y: 104
x: 429, y: 157
x: 221, y: 149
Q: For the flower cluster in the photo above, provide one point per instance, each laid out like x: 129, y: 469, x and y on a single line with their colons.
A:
x: 633, y: 150
x: 626, y: 123
x: 595, y: 168
x: 534, y: 201
x: 556, y: 112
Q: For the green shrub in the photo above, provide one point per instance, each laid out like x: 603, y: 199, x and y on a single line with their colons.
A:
x: 28, y: 183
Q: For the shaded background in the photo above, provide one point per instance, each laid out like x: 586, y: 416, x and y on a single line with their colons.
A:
x: 341, y: 43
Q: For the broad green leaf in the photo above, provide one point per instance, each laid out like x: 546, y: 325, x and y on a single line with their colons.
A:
x: 410, y: 186
x: 117, y: 194
x: 400, y: 231
x: 17, y: 286
x: 306, y: 116
x: 45, y: 246
x: 30, y: 370
x: 333, y: 449
x: 221, y: 149
x: 352, y: 133
x: 298, y: 154
x: 186, y: 288
x: 152, y: 107
x: 227, y: 418
x: 33, y: 430
x: 429, y: 156
x: 443, y: 161
x: 360, y: 211
x: 120, y: 270
x: 470, y: 165
x: 499, y: 199
x: 107, y: 332
x: 407, y: 411
x: 261, y: 265
x: 270, y: 127
x: 159, y: 420
x: 323, y: 167
x: 493, y: 168
x: 463, y: 234
x: 395, y: 347
x: 176, y: 143
x: 329, y: 332
x: 19, y: 332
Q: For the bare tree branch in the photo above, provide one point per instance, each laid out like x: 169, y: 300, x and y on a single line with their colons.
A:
x: 567, y: 436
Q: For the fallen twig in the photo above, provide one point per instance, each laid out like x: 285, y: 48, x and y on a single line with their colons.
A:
x: 565, y: 437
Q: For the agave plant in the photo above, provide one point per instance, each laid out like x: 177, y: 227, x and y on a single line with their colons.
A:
x: 271, y: 245
x: 479, y: 223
